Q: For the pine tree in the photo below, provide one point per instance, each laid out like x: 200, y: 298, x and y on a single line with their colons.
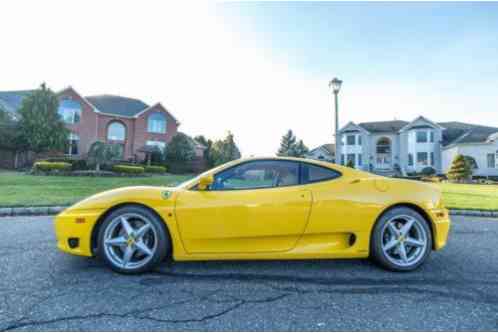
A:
x: 300, y: 149
x: 460, y: 169
x: 287, y: 144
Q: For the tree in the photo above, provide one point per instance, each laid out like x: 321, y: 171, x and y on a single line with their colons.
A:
x: 208, y: 154
x: 102, y: 153
x: 40, y: 128
x: 300, y: 149
x: 4, y: 116
x: 180, y: 149
x: 225, y: 150
x: 460, y: 169
x: 290, y: 146
x: 350, y: 164
x: 287, y: 144
x: 8, y: 133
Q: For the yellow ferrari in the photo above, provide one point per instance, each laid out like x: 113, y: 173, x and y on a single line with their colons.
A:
x: 260, y: 208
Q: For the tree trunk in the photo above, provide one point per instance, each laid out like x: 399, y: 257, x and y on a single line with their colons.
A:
x: 97, y: 167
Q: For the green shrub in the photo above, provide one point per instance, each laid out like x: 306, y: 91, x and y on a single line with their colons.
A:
x: 428, y: 171
x: 460, y: 169
x: 51, y: 166
x: 76, y: 164
x: 128, y: 169
x: 155, y: 169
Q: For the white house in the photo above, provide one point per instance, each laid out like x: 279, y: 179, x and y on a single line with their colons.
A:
x: 388, y: 146
x: 324, y: 152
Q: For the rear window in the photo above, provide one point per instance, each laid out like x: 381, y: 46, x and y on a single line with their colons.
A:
x: 314, y: 173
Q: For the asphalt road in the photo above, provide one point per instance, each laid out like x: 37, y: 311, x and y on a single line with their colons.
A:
x: 44, y: 289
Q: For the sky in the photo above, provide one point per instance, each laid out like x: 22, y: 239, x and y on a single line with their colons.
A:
x: 259, y: 69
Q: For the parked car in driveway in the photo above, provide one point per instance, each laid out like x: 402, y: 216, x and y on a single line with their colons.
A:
x: 292, y: 209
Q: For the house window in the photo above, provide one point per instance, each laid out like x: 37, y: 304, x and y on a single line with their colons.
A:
x: 342, y: 159
x: 160, y: 144
x: 72, y: 147
x: 491, y: 160
x: 410, y: 160
x: 421, y: 136
x: 156, y: 123
x: 352, y: 158
x: 69, y: 111
x: 431, y: 137
x: 359, y: 140
x: 422, y: 158
x: 116, y: 131
x: 351, y: 140
x: 359, y: 160
x: 432, y: 158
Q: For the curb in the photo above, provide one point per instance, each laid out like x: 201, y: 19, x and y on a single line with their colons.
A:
x: 31, y: 211
x: 474, y: 212
x: 54, y: 210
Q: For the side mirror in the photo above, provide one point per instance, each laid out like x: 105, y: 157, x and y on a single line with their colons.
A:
x: 205, y: 181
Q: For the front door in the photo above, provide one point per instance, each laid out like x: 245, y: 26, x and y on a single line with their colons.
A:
x: 256, y: 206
x: 383, y: 153
x: 383, y: 161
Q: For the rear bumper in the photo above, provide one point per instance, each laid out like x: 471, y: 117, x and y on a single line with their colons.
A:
x: 441, y: 227
x: 76, y: 224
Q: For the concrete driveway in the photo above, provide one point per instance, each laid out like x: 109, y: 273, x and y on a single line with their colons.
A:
x: 43, y: 289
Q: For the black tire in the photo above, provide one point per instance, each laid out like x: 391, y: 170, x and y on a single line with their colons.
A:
x: 162, y: 249
x: 376, y: 240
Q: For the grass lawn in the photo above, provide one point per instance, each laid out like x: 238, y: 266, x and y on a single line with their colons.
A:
x: 470, y: 196
x: 17, y: 189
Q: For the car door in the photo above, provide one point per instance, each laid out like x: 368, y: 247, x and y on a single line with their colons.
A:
x: 256, y: 206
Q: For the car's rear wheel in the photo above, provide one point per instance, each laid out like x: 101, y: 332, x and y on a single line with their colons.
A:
x: 132, y: 239
x: 401, y: 240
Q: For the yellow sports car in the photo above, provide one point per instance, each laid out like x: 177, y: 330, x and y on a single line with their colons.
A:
x: 260, y: 208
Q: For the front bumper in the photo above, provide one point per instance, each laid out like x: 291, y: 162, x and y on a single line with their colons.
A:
x: 441, y: 225
x: 76, y: 224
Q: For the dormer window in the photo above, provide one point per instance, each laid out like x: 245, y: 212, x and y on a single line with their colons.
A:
x: 351, y: 140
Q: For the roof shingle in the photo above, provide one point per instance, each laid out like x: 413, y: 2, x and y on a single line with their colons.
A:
x: 384, y: 126
x: 117, y: 105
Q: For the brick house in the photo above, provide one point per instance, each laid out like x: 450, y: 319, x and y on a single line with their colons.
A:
x: 128, y: 122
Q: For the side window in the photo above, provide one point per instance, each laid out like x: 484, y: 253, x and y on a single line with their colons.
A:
x: 314, y: 173
x: 257, y: 174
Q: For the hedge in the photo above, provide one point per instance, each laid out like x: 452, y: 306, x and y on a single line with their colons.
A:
x: 50, y: 166
x: 155, y: 169
x: 76, y: 164
x: 128, y: 169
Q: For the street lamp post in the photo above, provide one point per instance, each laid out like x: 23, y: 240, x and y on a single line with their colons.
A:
x: 335, y: 85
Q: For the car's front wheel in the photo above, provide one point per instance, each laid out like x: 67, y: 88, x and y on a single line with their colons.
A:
x: 132, y: 239
x: 401, y: 240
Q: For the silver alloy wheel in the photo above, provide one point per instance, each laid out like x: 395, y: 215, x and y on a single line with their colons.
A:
x: 130, y: 241
x: 404, y: 240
